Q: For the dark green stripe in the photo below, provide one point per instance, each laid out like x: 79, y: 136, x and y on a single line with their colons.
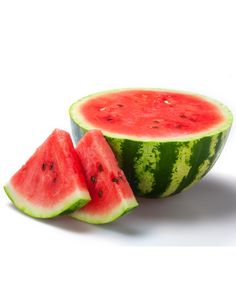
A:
x: 200, y: 152
x: 168, y: 156
x: 130, y: 149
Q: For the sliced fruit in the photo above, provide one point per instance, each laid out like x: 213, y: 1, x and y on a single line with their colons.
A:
x: 107, y: 184
x: 51, y: 182
x: 165, y: 141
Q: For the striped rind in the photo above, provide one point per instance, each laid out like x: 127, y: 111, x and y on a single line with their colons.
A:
x: 75, y: 200
x: 124, y: 207
x: 180, y: 168
x: 163, y: 167
x: 147, y: 157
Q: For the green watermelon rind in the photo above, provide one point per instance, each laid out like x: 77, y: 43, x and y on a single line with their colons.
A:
x: 163, y: 167
x: 124, y: 207
x: 75, y: 201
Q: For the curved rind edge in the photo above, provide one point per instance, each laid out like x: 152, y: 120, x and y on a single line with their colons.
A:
x: 125, y: 206
x: 69, y: 204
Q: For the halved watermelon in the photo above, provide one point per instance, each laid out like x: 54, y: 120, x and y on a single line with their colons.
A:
x: 108, y: 187
x: 51, y: 182
x: 165, y: 141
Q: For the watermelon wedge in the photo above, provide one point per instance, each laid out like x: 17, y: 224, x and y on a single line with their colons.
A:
x: 108, y: 187
x: 165, y: 141
x: 51, y: 182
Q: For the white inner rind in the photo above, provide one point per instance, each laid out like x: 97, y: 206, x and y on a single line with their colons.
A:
x: 38, y: 210
x: 124, y: 206
x: 79, y: 119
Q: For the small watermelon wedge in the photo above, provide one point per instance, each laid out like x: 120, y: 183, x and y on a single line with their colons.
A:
x: 111, y: 194
x: 51, y: 182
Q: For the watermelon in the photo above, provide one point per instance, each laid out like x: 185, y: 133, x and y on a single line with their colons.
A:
x: 51, y: 182
x: 107, y: 184
x: 165, y: 141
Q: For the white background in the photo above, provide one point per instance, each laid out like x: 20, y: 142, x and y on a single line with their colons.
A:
x: 51, y: 54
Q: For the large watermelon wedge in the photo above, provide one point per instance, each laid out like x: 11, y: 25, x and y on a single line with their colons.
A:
x: 165, y: 141
x: 51, y: 182
x: 111, y: 194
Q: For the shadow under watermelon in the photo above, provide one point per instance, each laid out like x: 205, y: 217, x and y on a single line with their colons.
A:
x: 212, y: 201
x: 210, y: 204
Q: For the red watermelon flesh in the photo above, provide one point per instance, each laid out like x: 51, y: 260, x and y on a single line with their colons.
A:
x: 157, y: 114
x: 107, y: 184
x: 51, y: 181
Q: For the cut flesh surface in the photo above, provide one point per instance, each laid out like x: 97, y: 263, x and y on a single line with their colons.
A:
x: 107, y: 184
x: 51, y: 182
x: 149, y: 114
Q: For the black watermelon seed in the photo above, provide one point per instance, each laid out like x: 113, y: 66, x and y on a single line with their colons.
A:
x: 100, y: 193
x: 44, y: 165
x: 183, y: 116
x: 109, y: 119
x: 178, y: 126
x: 120, y: 105
x: 51, y: 166
x: 93, y: 179
x: 100, y: 168
x: 116, y: 180
x: 156, y: 121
